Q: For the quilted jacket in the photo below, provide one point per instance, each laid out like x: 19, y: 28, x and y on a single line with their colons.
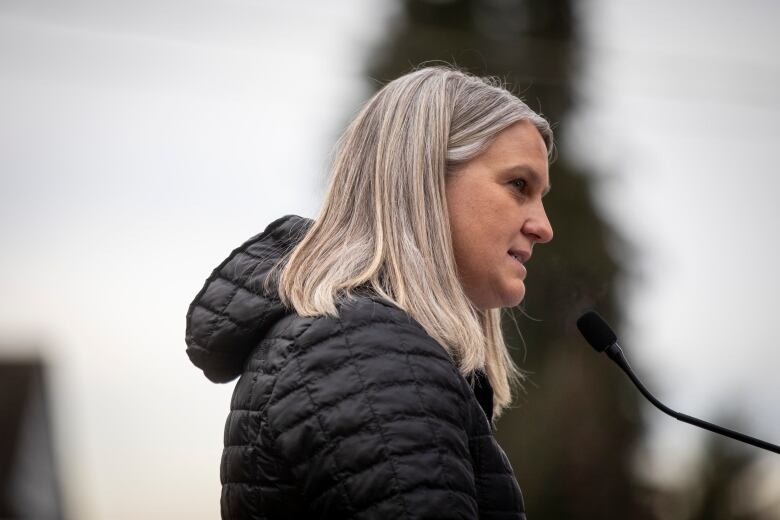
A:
x: 358, y: 416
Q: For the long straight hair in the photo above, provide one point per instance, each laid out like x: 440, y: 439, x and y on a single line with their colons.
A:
x: 384, y: 223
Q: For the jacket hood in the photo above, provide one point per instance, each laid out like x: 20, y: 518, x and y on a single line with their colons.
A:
x: 233, y: 311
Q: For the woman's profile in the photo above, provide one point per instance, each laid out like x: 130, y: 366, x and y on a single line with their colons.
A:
x: 368, y: 341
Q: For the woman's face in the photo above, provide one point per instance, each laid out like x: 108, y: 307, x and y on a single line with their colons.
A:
x: 496, y: 215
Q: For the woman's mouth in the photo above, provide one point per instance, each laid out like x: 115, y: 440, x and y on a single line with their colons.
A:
x: 517, y: 260
x: 521, y: 256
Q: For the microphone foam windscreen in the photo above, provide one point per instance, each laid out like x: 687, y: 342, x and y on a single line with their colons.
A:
x: 596, y: 331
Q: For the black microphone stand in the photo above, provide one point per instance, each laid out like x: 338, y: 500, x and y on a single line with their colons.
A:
x: 615, y: 353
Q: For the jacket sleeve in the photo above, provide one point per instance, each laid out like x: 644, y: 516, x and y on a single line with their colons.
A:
x: 371, y: 415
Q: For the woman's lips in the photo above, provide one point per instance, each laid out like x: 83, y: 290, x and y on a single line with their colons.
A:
x: 520, y: 255
x: 517, y: 260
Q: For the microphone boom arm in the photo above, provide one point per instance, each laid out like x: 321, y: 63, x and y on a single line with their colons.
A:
x: 615, y: 353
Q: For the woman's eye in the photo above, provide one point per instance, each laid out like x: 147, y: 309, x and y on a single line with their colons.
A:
x: 519, y: 184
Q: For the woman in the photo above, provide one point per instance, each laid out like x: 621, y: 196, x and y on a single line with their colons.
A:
x: 368, y: 342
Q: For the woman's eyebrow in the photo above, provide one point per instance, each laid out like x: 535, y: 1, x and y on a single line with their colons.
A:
x: 527, y: 170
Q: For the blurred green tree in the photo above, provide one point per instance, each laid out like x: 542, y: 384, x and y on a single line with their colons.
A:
x: 572, y: 437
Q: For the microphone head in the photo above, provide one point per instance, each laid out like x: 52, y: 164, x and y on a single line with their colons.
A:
x: 596, y: 331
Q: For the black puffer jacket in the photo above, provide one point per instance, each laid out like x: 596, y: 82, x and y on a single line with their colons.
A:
x: 361, y: 416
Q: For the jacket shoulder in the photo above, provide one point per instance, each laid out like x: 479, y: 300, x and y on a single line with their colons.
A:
x: 369, y: 396
x: 371, y: 340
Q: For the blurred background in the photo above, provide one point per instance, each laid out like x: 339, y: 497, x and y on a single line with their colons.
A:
x: 140, y: 142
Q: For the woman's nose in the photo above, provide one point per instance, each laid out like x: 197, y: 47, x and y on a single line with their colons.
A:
x: 538, y: 226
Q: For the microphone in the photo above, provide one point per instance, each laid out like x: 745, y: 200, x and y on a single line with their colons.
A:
x: 601, y: 337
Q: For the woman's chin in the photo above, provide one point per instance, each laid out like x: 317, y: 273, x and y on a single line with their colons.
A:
x: 501, y: 297
x: 515, y: 296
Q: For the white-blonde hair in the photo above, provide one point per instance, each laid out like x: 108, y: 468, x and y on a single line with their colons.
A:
x: 384, y: 223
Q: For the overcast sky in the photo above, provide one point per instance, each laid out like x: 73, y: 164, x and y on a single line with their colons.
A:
x: 140, y: 142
